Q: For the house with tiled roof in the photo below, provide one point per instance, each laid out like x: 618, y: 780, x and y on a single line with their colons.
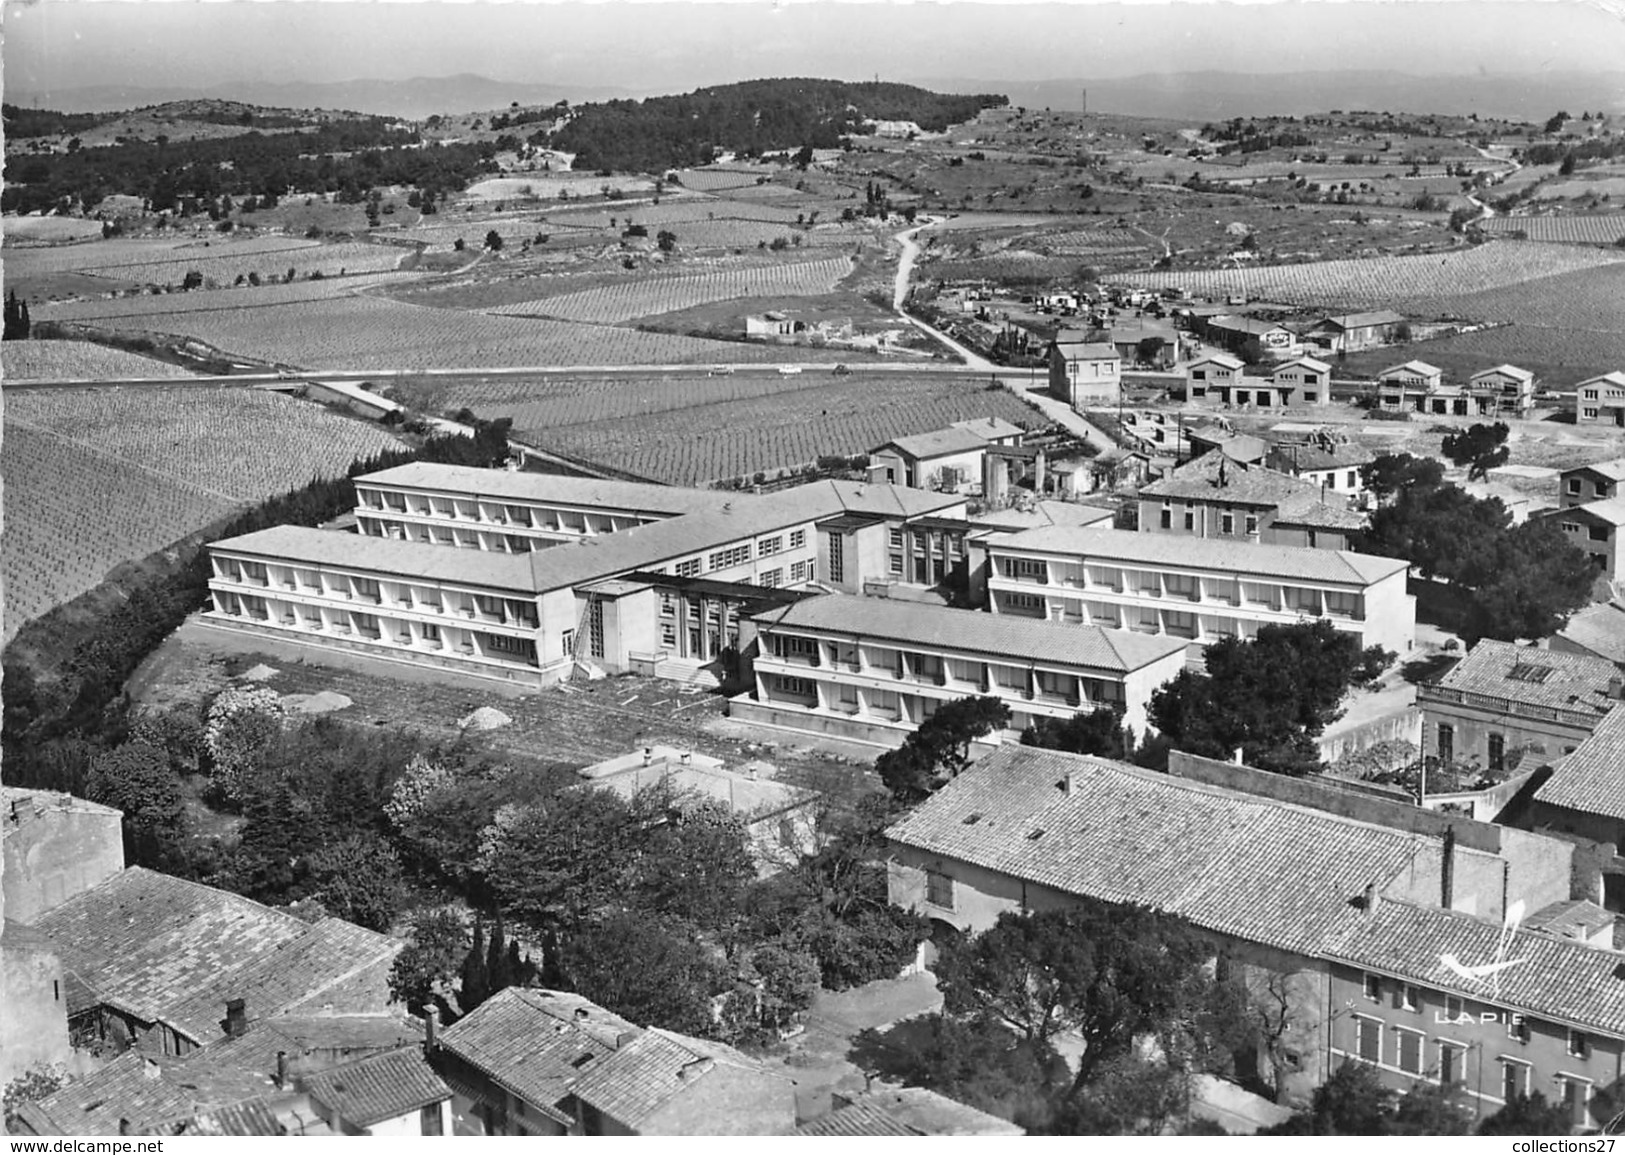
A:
x: 948, y: 460
x: 1081, y: 371
x: 1584, y: 799
x: 1502, y: 390
x: 886, y: 1110
x: 1595, y: 530
x: 1601, y: 400
x: 1503, y: 698
x: 1373, y: 919
x: 872, y: 670
x: 664, y: 1083
x: 1596, y: 631
x: 512, y: 1060
x: 1415, y: 385
x: 1234, y: 331
x: 393, y: 1093
x: 1594, y: 481
x: 250, y: 1083
x: 1350, y: 332
x: 1197, y: 588
x: 521, y: 582
x: 1325, y: 460
x: 1214, y: 496
x: 173, y: 965
x: 1303, y: 381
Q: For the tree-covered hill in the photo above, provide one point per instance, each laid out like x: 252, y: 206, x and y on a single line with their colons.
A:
x: 752, y: 117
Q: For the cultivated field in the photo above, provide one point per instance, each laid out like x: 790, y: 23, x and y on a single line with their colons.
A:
x: 1388, y: 281
x: 118, y: 252
x: 48, y: 230
x: 691, y: 431
x: 73, y: 514
x: 97, y: 477
x: 238, y: 300
x: 642, y: 298
x: 1591, y: 229
x: 373, y: 333
x: 76, y: 361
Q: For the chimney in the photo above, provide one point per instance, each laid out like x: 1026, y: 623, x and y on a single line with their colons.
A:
x: 236, y: 1018
x: 1447, y: 869
x: 431, y: 1030
x: 1370, y: 900
x: 150, y: 1070
x: 1068, y: 784
x: 123, y: 1125
x: 581, y: 1013
x: 694, y: 1069
x: 648, y: 755
x: 1237, y: 758
x: 282, y: 1070
x: 624, y: 1038
x: 1616, y: 687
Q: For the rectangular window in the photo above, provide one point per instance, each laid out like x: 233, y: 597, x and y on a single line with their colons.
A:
x: 1576, y: 1093
x: 1597, y: 533
x: 895, y: 564
x: 801, y: 571
x: 771, y: 579
x: 1030, y: 605
x: 1453, y: 1008
x: 1408, y: 1050
x: 429, y: 1120
x: 939, y: 889
x: 688, y: 569
x: 897, y: 539
x: 1227, y: 523
x: 1190, y: 519
x: 1352, y: 478
x: 1574, y: 485
x: 1025, y: 569
x: 1410, y: 998
x: 1514, y: 1079
x: 837, y: 563
x: 567, y: 642
x: 1368, y: 1036
x: 1167, y: 517
x: 1447, y: 742
x: 1497, y: 750
x: 1252, y: 523
x: 798, y: 539
x: 770, y: 545
x: 728, y: 558
x: 431, y: 632
x: 1579, y: 1045
x: 800, y: 687
x: 1451, y: 1058
x: 1518, y: 1028
x: 1373, y: 987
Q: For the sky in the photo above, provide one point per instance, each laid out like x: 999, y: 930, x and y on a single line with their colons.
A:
x: 677, y: 45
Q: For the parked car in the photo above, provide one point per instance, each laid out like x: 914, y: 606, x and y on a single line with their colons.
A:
x: 841, y: 370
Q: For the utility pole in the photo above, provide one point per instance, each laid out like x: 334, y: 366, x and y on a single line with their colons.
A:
x: 1085, y: 102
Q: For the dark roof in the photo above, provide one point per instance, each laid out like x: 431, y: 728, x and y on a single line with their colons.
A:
x: 1592, y: 779
x: 1217, y: 477
x: 531, y: 1044
x: 1026, y: 639
x: 150, y: 1094
x: 378, y: 1087
x: 1613, y: 469
x: 937, y: 443
x: 663, y: 1083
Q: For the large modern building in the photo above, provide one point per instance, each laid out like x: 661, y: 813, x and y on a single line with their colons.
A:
x: 873, y: 670
x: 1194, y: 588
x: 1362, y: 922
x: 1501, y: 391
x: 521, y: 576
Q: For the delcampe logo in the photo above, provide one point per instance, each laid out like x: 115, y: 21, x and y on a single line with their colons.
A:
x: 1486, y: 975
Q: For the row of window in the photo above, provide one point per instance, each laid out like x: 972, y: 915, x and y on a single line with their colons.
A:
x: 1408, y: 997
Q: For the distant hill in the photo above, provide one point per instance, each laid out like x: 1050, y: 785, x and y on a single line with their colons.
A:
x: 751, y: 117
x: 1205, y: 96
x: 415, y: 99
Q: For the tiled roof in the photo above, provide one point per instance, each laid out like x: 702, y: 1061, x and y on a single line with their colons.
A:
x: 1609, y: 510
x: 1127, y: 835
x: 1321, y: 515
x: 517, y: 1039
x: 1199, y: 479
x: 1419, y: 368
x: 1613, y: 469
x: 1336, y: 456
x: 925, y: 1112
x: 937, y: 443
x: 1204, y: 554
x: 1224, y: 359
x: 1307, y: 362
x: 378, y: 1087
x: 298, y: 971
x: 151, y: 1094
x: 643, y: 1086
x: 1534, y: 677
x: 146, y: 942
x: 1363, y: 320
x: 389, y: 557
x: 741, y: 516
x: 548, y: 488
x: 1599, y: 628
x: 1573, y: 919
x: 1557, y: 979
x: 854, y: 1119
x: 1505, y: 371
x: 1592, y: 779
x: 990, y: 428
x: 973, y: 631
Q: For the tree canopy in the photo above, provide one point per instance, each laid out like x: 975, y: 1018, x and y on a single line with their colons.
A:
x: 940, y: 747
x: 1270, y: 697
x: 1480, y: 448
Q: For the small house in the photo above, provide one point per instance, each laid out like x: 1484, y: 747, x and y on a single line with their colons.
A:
x: 1601, y: 400
x: 1083, y: 371
x: 1352, y: 332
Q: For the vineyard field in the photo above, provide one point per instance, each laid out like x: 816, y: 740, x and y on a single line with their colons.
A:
x: 235, y: 444
x: 1388, y: 281
x: 221, y: 300
x: 642, y: 298
x: 374, y: 333
x: 669, y: 212
x: 780, y: 430
x: 225, y: 268
x: 76, y: 361
x: 46, y: 230
x: 119, y: 252
x: 715, y: 180
x: 1591, y: 229
x: 73, y: 514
